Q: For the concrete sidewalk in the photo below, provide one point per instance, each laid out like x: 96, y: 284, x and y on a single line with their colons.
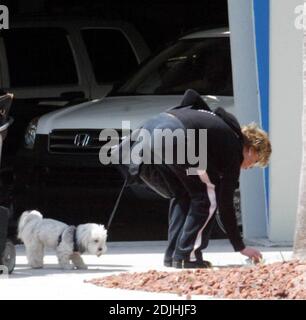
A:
x: 54, y: 283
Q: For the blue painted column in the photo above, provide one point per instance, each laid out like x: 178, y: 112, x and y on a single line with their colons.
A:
x: 262, y: 41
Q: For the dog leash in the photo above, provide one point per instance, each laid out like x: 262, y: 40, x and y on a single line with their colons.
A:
x: 117, y: 203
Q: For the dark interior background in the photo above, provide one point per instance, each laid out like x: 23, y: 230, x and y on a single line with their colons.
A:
x: 159, y: 21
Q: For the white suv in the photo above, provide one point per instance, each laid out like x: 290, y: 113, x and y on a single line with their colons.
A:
x: 54, y: 156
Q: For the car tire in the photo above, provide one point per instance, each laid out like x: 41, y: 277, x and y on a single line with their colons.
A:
x: 8, y: 256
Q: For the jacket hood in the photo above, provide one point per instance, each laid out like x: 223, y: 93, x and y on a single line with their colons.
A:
x: 231, y: 121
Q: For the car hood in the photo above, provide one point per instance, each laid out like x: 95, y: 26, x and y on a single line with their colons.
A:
x: 110, y: 112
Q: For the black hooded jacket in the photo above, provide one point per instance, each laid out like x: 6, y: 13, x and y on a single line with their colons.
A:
x: 224, y: 158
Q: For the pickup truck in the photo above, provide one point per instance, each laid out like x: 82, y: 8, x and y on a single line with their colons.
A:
x: 51, y: 63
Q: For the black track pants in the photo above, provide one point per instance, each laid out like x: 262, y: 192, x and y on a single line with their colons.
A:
x: 191, y: 217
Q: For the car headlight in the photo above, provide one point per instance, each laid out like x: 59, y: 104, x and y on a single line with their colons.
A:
x: 30, y: 134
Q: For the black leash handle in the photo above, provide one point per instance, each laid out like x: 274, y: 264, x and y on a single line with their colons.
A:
x: 116, y: 204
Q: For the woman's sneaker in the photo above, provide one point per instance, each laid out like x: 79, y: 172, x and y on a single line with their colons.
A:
x: 168, y: 263
x: 186, y: 264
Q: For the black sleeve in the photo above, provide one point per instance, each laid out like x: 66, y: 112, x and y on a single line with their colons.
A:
x: 225, y: 196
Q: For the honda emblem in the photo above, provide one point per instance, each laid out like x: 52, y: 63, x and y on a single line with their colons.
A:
x: 82, y: 140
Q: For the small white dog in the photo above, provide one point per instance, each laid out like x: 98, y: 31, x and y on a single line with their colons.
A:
x: 69, y: 242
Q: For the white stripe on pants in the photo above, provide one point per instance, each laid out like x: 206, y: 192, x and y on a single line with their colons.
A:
x: 212, y: 208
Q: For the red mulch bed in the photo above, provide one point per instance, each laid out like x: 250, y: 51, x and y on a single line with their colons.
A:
x: 281, y: 280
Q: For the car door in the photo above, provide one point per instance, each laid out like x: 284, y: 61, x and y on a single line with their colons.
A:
x: 39, y: 66
x: 41, y: 63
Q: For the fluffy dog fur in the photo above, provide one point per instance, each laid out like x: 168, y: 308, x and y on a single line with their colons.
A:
x: 38, y: 233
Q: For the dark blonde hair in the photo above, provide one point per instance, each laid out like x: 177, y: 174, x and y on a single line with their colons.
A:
x: 255, y: 137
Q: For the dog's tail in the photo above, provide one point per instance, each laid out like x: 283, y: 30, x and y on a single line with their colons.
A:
x: 30, y: 217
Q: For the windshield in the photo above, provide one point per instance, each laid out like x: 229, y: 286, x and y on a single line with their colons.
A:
x: 202, y: 64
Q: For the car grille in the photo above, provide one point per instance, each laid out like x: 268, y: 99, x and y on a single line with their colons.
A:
x: 77, y: 141
x: 74, y: 178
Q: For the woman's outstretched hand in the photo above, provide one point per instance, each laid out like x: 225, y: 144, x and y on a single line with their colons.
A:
x: 252, y: 253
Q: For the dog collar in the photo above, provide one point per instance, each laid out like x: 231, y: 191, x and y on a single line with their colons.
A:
x: 75, y: 242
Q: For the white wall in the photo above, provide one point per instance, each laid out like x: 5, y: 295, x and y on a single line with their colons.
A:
x: 286, y: 102
x: 247, y: 109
